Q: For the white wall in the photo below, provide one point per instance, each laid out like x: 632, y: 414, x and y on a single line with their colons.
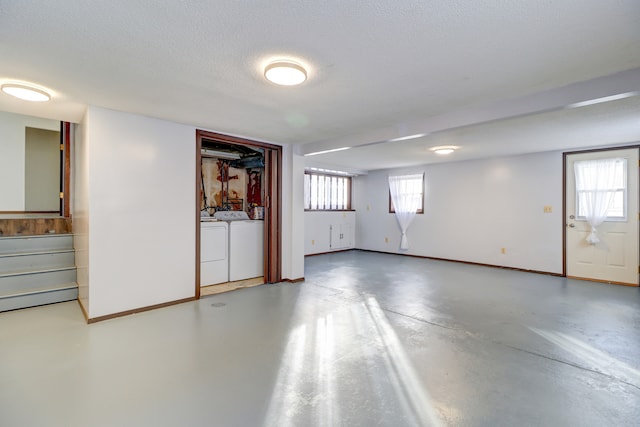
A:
x: 141, y: 175
x: 80, y: 209
x: 135, y: 212
x: 317, y: 233
x: 293, y: 221
x: 472, y: 210
x: 12, y: 156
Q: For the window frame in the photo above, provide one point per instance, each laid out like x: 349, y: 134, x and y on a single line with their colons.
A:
x: 329, y: 175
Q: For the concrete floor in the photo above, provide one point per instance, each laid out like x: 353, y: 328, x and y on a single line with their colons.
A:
x: 368, y: 340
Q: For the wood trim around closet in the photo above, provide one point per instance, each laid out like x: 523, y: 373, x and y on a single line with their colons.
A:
x: 197, y: 219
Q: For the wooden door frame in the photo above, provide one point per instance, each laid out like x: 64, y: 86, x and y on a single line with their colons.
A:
x: 564, y: 193
x: 64, y: 209
x: 65, y: 184
x: 273, y: 201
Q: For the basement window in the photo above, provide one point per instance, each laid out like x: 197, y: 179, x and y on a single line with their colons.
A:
x: 410, y: 189
x: 325, y: 192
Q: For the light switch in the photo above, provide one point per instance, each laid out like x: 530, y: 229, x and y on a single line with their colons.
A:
x: 548, y: 209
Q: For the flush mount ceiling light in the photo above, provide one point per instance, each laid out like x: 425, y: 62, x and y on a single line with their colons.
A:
x: 285, y: 73
x: 444, y: 150
x: 25, y: 92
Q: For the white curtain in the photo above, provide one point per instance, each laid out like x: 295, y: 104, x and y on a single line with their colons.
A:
x: 595, y: 189
x: 406, y: 195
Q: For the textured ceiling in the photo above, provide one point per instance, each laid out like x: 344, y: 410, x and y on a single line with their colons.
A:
x: 377, y: 69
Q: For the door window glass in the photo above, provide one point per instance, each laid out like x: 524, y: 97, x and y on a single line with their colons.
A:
x: 602, y: 180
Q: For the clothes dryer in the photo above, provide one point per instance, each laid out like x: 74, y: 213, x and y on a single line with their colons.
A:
x: 214, y: 252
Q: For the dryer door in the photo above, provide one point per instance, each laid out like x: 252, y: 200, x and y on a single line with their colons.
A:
x: 214, y: 259
x: 213, y: 243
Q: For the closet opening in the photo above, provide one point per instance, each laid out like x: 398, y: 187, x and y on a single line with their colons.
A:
x: 238, y: 224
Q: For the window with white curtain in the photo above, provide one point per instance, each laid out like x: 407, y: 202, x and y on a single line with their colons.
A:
x: 595, y: 182
x: 327, y: 192
x: 407, y: 198
x: 409, y: 187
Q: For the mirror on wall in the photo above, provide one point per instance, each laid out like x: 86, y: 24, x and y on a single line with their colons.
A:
x: 30, y: 164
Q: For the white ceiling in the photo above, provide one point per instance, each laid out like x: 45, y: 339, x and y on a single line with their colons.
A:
x: 490, y: 77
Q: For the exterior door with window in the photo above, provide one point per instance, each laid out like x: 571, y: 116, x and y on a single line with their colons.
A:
x: 603, y: 183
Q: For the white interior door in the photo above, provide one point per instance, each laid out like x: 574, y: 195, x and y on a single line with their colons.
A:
x: 615, y: 257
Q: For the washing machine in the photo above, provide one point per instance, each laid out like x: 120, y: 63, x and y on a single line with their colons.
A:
x: 246, y: 245
x: 214, y: 252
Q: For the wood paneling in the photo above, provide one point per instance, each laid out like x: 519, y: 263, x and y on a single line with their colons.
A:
x: 34, y: 226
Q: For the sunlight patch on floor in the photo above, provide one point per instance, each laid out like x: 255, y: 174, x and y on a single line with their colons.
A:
x: 410, y: 392
x: 591, y: 356
x: 308, y: 384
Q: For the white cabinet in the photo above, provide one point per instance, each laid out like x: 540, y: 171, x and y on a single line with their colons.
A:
x: 327, y: 231
x: 340, y: 236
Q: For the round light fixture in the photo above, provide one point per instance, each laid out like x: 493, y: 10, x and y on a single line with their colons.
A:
x: 285, y: 73
x: 444, y: 150
x: 25, y: 92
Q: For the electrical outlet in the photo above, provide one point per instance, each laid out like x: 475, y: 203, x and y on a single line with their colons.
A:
x: 503, y: 251
x: 386, y: 240
x: 313, y: 242
x: 548, y: 209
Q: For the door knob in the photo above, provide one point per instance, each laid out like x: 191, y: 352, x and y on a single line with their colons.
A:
x: 572, y: 225
x: 572, y: 216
